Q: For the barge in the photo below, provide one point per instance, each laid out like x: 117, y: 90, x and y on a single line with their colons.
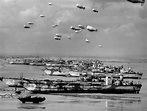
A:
x: 84, y: 87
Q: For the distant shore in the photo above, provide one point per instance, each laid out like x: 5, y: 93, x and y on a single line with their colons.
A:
x: 103, y: 59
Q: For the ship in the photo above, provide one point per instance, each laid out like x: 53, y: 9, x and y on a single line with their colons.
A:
x: 128, y: 74
x: 85, y: 87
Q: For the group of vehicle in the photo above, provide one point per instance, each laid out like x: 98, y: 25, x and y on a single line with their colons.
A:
x: 105, y: 80
x: 80, y: 27
x: 76, y: 29
x: 75, y: 68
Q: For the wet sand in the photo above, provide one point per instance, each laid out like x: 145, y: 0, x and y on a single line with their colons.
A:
x: 74, y: 102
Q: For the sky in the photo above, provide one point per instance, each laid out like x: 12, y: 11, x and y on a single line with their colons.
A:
x: 122, y: 28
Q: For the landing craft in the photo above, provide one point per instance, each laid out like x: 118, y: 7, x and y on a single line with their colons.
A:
x: 25, y: 26
x: 42, y: 16
x: 75, y: 28
x: 50, y: 4
x: 94, y: 10
x: 81, y: 26
x: 137, y: 1
x: 30, y: 23
x: 80, y: 6
x: 91, y: 29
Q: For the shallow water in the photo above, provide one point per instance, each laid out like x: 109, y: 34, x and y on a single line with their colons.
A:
x: 75, y: 102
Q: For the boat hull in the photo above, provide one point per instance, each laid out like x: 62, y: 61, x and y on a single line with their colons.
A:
x: 125, y: 75
x: 31, y: 99
x: 110, y: 89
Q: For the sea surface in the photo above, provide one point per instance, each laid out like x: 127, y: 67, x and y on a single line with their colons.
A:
x: 74, y: 102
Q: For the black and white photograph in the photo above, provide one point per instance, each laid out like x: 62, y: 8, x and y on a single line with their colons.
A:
x: 73, y: 55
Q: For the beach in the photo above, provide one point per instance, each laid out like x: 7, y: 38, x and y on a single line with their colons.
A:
x: 74, y: 102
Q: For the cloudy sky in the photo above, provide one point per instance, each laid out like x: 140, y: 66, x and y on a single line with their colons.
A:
x: 122, y: 28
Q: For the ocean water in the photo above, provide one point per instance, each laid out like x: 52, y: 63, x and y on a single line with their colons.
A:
x: 74, y: 102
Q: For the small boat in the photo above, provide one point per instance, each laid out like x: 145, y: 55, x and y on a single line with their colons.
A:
x: 34, y: 99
